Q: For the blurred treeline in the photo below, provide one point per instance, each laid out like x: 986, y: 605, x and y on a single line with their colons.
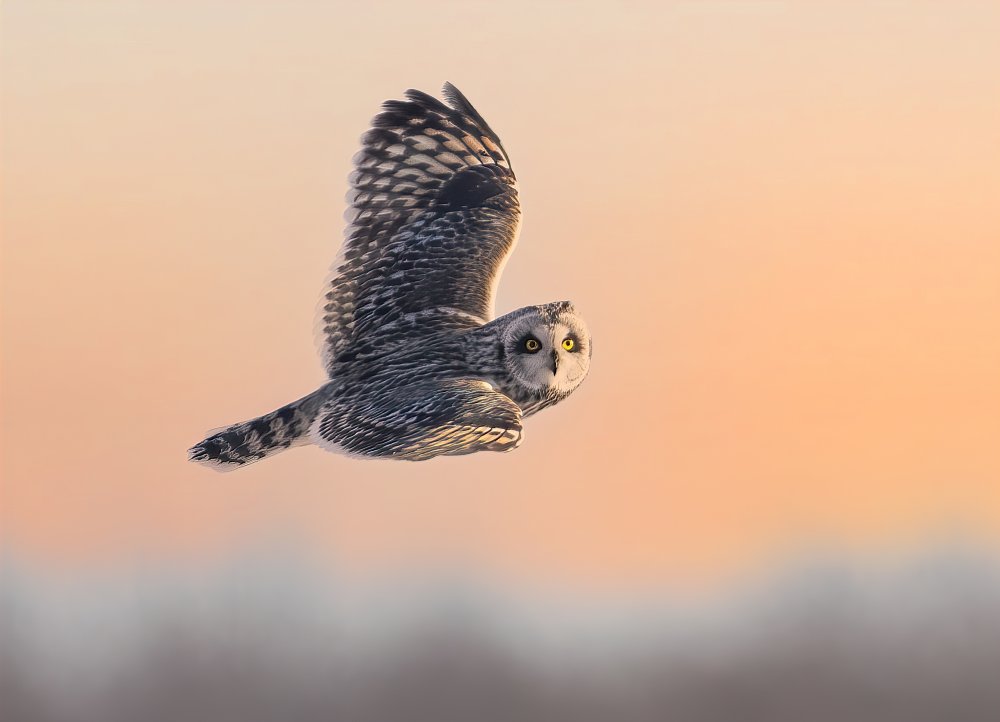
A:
x: 274, y: 638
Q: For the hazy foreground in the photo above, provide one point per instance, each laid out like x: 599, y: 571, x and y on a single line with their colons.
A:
x: 268, y: 639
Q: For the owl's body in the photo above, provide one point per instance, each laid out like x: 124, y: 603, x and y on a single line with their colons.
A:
x: 416, y: 367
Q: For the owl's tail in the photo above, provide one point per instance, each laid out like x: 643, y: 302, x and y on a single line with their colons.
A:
x: 241, y: 444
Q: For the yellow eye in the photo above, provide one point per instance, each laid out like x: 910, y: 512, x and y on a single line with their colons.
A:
x: 569, y: 344
x: 532, y: 345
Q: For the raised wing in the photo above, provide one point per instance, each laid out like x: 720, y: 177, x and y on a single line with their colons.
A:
x: 427, y: 419
x: 433, y: 217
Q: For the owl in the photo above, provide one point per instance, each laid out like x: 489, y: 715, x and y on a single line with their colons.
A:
x: 418, y: 366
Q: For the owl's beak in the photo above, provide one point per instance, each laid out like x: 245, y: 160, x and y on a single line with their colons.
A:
x: 555, y: 361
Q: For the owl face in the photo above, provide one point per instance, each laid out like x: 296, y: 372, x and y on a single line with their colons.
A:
x: 547, y: 348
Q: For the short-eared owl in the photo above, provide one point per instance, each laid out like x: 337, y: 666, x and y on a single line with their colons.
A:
x: 417, y: 368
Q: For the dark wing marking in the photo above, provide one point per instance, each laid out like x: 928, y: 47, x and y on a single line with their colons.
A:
x: 428, y: 419
x: 433, y: 216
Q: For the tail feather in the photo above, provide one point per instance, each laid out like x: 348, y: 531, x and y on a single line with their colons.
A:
x: 235, y: 446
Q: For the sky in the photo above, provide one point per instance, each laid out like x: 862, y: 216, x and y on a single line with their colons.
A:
x: 779, y: 219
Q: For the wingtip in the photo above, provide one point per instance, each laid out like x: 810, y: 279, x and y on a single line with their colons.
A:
x: 456, y: 98
x: 199, y: 455
x: 419, y: 97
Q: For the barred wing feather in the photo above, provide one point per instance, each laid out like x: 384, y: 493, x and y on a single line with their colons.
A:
x: 433, y: 216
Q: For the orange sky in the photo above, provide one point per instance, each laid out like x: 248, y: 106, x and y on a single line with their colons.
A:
x: 781, y: 220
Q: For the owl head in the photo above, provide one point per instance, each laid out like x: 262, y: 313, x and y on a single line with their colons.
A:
x: 547, y: 348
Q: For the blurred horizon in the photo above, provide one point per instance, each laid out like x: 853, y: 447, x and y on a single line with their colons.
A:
x: 273, y: 636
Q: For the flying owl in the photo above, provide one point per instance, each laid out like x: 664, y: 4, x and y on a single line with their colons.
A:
x: 418, y: 366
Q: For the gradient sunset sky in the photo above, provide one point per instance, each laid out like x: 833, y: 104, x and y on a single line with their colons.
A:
x: 781, y: 220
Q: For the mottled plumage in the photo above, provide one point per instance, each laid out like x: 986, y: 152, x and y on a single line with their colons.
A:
x: 417, y: 368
